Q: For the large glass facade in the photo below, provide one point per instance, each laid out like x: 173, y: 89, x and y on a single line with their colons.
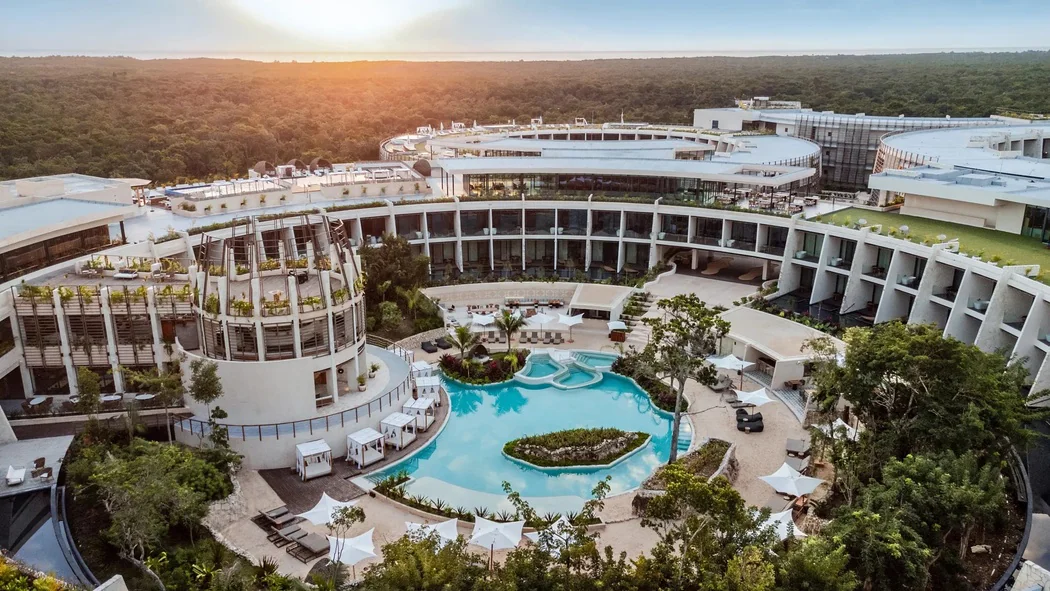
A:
x: 1036, y: 223
x: 583, y: 184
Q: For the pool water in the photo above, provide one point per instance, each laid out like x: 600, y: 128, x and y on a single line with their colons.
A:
x: 464, y: 464
x: 575, y: 376
x: 540, y: 367
x: 596, y: 360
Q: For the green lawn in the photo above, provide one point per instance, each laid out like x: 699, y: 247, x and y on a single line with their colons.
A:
x: 990, y: 245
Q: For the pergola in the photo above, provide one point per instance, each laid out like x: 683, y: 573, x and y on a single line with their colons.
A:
x: 422, y: 409
x: 312, y: 459
x: 399, y: 428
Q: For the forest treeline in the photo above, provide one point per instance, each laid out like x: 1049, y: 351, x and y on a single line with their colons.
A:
x: 173, y: 120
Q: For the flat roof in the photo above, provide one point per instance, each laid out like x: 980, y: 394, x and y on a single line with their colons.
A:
x: 22, y: 219
x: 767, y: 149
x: 22, y: 454
x: 593, y: 296
x: 525, y: 144
x: 73, y: 183
x: 952, y: 183
x: 967, y: 147
x: 774, y: 335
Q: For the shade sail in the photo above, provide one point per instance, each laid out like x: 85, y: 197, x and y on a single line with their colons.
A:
x: 446, y: 531
x: 754, y: 398
x: 729, y: 362
x: 784, y: 525
x: 350, y: 551
x: 325, y: 509
x: 496, y: 536
x: 789, y: 481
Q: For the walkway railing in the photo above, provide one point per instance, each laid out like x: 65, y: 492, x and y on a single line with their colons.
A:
x: 310, y: 427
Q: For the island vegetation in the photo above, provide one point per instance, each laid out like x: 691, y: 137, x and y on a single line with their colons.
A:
x: 576, y: 447
x: 201, y: 119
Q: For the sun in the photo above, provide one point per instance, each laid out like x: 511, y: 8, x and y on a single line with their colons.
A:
x: 341, y: 21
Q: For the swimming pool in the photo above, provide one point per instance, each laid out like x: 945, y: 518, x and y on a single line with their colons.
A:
x: 464, y: 464
x: 575, y: 377
x: 540, y: 367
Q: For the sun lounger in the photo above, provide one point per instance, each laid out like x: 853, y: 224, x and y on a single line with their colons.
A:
x: 428, y: 347
x: 442, y: 343
x: 797, y: 447
x: 722, y: 384
x: 309, y: 547
x: 800, y: 464
x: 287, y: 535
x: 751, y: 275
x: 742, y: 416
x: 755, y: 427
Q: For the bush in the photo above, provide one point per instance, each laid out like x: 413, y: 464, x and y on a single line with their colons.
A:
x: 389, y: 315
x: 634, y: 366
x: 579, y: 447
x: 497, y: 369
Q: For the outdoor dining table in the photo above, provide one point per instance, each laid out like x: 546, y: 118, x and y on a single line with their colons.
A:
x: 145, y: 396
x: 37, y: 400
x: 111, y: 398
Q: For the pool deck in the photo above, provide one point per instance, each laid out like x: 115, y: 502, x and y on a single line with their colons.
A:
x: 22, y: 453
x: 758, y: 454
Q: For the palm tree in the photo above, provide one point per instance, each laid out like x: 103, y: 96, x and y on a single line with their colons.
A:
x: 509, y: 323
x: 463, y: 339
x: 413, y: 298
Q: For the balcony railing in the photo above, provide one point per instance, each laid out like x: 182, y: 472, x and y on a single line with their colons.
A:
x: 840, y: 263
x: 707, y: 240
x: 672, y: 237
x: 776, y: 249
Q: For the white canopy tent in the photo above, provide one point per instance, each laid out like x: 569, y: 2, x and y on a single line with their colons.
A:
x: 428, y: 386
x: 399, y: 429
x: 754, y: 398
x: 364, y: 447
x: 447, y: 531
x: 422, y: 409
x: 325, y: 510
x: 789, y: 481
x: 784, y: 525
x: 351, y: 551
x: 617, y: 325
x: 422, y: 369
x: 312, y: 459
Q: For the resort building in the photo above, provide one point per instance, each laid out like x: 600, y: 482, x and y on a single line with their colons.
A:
x: 994, y: 178
x: 848, y: 142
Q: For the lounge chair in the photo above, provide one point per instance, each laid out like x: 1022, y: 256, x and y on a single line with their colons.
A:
x: 800, y: 464
x: 751, y: 275
x: 442, y: 343
x: 756, y: 427
x: 287, y: 535
x: 797, y: 447
x: 16, y: 475
x: 742, y: 416
x: 46, y: 474
x: 723, y: 384
x: 309, y: 547
x: 428, y: 347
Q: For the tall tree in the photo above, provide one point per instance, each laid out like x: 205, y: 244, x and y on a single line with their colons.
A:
x: 391, y: 265
x: 815, y: 563
x: 89, y: 390
x: 681, y: 340
x: 166, y: 386
x: 883, y: 550
x: 509, y: 323
x: 463, y: 339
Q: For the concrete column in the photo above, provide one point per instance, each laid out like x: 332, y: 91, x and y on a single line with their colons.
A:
x: 154, y: 321
x: 293, y: 298
x: 619, y: 244
x: 459, y: 238
x: 63, y: 333
x: 587, y: 246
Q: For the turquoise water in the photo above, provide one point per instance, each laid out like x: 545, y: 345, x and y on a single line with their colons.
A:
x: 576, y: 376
x: 596, y: 359
x: 464, y: 464
x: 539, y: 366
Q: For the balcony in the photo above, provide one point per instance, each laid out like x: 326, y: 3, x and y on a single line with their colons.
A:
x: 804, y: 255
x: 740, y: 244
x: 707, y: 240
x: 978, y: 305
x: 672, y: 237
x: 773, y: 249
x: 876, y: 271
x: 949, y: 293
x: 840, y: 263
x: 911, y: 281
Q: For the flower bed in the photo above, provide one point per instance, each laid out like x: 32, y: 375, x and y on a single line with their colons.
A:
x: 499, y: 368
x: 575, y: 447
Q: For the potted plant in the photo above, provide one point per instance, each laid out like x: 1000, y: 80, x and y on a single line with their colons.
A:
x: 361, y: 382
x: 372, y: 369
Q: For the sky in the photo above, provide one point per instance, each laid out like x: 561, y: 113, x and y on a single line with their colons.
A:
x: 217, y: 27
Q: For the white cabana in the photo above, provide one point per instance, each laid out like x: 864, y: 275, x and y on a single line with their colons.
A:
x: 789, y: 481
x: 570, y: 321
x: 364, y: 447
x: 422, y: 409
x: 312, y: 459
x: 351, y: 551
x: 836, y: 428
x: 428, y: 386
x: 325, y: 510
x: 784, y: 525
x: 617, y: 325
x: 422, y: 369
x: 399, y: 429
x: 447, y: 531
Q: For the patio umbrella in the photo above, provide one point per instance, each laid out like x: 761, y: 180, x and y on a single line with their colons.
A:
x: 539, y: 319
x: 325, y: 509
x: 570, y: 321
x: 730, y: 363
x: 755, y: 398
x: 446, y: 531
x: 617, y: 325
x: 784, y: 525
x: 350, y: 551
x: 789, y: 481
x: 560, y: 533
x: 482, y: 319
x: 496, y: 536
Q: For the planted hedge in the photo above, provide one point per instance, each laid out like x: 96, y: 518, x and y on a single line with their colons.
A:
x: 576, y: 447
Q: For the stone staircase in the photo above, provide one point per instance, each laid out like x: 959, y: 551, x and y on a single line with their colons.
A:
x: 794, y: 400
x: 639, y: 335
